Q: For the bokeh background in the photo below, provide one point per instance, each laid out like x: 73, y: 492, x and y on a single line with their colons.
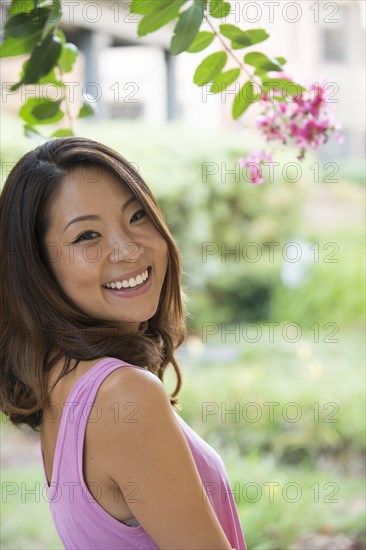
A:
x: 274, y: 363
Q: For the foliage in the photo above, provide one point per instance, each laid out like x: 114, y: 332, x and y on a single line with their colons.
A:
x: 306, y: 372
x: 333, y: 291
x: 32, y: 28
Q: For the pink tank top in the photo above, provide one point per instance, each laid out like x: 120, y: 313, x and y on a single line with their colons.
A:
x: 80, y: 520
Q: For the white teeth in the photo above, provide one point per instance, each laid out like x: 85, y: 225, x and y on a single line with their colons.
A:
x: 130, y: 283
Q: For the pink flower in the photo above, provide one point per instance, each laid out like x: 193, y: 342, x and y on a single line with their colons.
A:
x: 311, y: 133
x: 283, y: 107
x: 253, y: 164
x: 306, y: 120
x: 269, y: 122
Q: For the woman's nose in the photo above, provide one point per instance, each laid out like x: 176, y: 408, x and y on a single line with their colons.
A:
x: 126, y: 251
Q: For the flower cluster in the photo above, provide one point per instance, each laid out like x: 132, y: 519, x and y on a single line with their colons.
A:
x: 253, y: 164
x: 304, y: 120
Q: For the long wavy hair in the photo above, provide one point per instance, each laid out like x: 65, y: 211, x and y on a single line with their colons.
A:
x: 40, y: 324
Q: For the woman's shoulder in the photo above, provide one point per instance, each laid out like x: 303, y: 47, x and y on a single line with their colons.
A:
x: 132, y: 375
x: 131, y: 402
x: 132, y: 382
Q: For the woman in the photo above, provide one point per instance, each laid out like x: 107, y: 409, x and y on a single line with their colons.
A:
x: 92, y: 312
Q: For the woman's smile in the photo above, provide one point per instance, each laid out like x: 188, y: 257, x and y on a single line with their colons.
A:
x: 130, y: 292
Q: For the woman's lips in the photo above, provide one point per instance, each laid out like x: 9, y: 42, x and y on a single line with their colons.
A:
x: 134, y: 291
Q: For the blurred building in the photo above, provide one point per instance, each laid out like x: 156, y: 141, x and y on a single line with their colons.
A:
x: 129, y: 77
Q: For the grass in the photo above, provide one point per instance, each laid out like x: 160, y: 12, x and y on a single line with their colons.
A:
x: 279, y: 503
x: 26, y: 521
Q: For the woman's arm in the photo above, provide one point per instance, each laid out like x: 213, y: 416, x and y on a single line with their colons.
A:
x: 150, y: 450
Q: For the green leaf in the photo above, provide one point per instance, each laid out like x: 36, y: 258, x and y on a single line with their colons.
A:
x: 86, y: 110
x: 291, y: 88
x: 281, y: 60
x: 257, y: 35
x: 187, y: 27
x: 61, y: 36
x: 63, y: 132
x: 223, y: 80
x: 24, y: 24
x: 209, y: 68
x: 51, y: 78
x: 262, y: 62
x: 202, y: 40
x: 243, y: 99
x: 253, y: 35
x: 45, y: 111
x: 153, y: 21
x: 43, y: 59
x: 242, y: 39
x: 144, y: 7
x: 219, y: 8
x: 67, y: 58
x: 139, y: 7
x: 12, y: 47
x: 21, y: 6
x: 53, y: 18
x: 262, y: 74
x: 234, y: 33
x: 56, y: 11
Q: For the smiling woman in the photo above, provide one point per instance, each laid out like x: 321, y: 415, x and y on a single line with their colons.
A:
x: 114, y: 242
x: 92, y: 313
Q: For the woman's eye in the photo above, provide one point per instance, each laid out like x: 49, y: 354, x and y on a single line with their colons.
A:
x: 83, y: 238
x: 140, y: 213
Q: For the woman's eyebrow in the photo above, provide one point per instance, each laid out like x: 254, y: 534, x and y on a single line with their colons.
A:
x: 95, y: 217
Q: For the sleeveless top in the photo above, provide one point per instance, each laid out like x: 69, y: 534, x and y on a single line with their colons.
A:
x: 80, y: 520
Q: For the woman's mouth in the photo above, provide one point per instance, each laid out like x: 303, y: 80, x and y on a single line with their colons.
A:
x: 130, y: 292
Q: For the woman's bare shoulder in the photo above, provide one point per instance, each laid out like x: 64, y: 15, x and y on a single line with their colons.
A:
x: 131, y: 389
x: 127, y: 381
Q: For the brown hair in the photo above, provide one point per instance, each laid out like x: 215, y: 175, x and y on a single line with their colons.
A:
x: 40, y: 324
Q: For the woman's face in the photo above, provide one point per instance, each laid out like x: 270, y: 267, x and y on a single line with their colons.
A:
x: 118, y: 246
